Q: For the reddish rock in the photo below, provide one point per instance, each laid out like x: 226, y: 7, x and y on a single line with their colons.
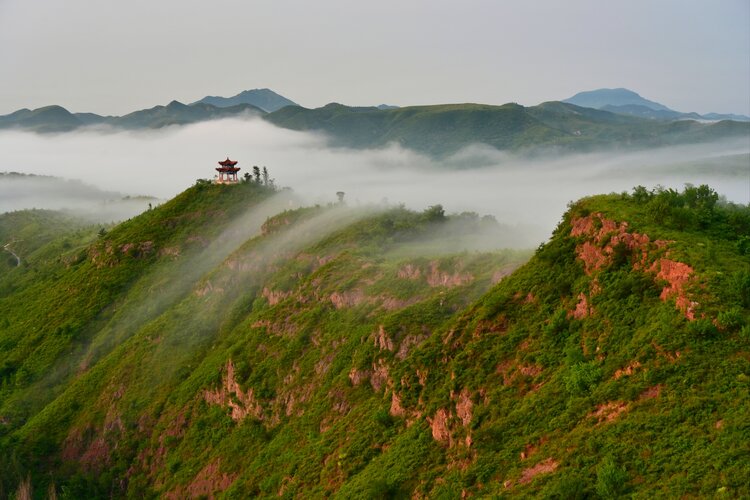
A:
x: 677, y: 276
x: 348, y: 298
x: 382, y: 340
x: 275, y: 296
x: 439, y: 425
x: 379, y: 376
x: 628, y: 370
x: 436, y: 277
x: 464, y: 407
x: 409, y: 272
x: 231, y: 395
x: 607, y: 412
x: 651, y: 392
x: 358, y: 376
x: 544, y: 467
x: 396, y: 409
x: 209, y: 481
x: 582, y: 309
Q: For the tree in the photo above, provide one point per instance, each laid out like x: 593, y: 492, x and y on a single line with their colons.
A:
x: 265, y: 176
x: 340, y: 196
x: 434, y: 213
x: 256, y: 174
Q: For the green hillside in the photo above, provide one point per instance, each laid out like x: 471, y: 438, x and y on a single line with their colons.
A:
x: 24, y: 232
x: 56, y: 119
x: 444, y: 129
x: 227, y: 344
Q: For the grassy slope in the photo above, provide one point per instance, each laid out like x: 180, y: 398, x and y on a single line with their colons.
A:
x: 444, y: 129
x: 361, y: 376
x: 27, y: 231
x: 62, y: 298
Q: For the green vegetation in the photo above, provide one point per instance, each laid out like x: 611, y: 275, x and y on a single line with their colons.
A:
x: 444, y: 129
x: 438, y: 130
x: 54, y: 119
x: 323, y: 356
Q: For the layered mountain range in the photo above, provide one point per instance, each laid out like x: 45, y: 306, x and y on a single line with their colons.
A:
x: 437, y: 130
x: 627, y: 102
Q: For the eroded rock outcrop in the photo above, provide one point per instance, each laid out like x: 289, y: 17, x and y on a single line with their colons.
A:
x: 231, y: 395
x: 605, y: 239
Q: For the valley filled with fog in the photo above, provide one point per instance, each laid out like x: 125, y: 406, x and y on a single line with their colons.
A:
x: 529, y: 193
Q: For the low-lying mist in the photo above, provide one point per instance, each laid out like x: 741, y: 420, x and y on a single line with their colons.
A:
x: 529, y: 193
x: 71, y: 195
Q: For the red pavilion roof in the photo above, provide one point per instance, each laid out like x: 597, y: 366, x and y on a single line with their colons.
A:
x: 227, y: 163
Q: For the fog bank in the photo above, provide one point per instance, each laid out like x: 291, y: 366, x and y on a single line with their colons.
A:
x: 517, y: 191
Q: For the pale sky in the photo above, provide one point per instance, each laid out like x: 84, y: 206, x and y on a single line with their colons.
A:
x: 116, y: 57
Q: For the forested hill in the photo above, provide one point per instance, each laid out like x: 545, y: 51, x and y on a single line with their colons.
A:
x: 226, y: 345
x: 438, y: 130
x: 445, y: 129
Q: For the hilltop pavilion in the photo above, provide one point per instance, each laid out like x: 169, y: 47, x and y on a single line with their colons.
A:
x: 227, y: 172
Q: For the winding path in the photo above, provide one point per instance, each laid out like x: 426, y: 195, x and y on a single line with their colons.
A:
x: 7, y: 249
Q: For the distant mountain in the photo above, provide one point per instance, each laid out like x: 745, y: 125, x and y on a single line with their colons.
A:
x: 600, y: 98
x: 646, y: 112
x: 177, y: 113
x: 46, y: 119
x: 444, y: 129
x: 437, y: 130
x: 58, y: 119
x: 627, y: 102
x: 386, y: 106
x: 265, y: 99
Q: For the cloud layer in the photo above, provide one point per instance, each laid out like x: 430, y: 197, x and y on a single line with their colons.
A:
x: 515, y: 190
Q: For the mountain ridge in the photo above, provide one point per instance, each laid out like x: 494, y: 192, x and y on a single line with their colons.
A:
x: 307, y: 363
x: 265, y: 99
x: 627, y: 102
x: 436, y: 130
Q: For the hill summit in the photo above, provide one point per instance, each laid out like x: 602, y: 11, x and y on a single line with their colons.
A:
x: 265, y: 99
x: 601, y: 98
x: 627, y: 102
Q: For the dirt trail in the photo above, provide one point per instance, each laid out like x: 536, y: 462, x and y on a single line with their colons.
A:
x: 7, y: 249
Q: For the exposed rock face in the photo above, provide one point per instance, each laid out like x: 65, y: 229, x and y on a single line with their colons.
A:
x: 628, y: 370
x: 677, y: 275
x: 379, y: 377
x: 396, y: 409
x: 439, y: 426
x: 207, y: 288
x: 582, y: 309
x: 410, y: 272
x: 464, y: 407
x: 230, y: 394
x: 348, y: 298
x: 91, y: 446
x: 544, y: 467
x: 651, y: 392
x: 358, y: 376
x: 607, y: 412
x: 275, y: 296
x: 209, y: 481
x: 382, y: 340
x: 436, y: 277
x: 408, y: 343
x: 603, y: 239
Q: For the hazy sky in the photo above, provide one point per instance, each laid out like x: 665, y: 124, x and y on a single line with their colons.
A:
x: 115, y: 57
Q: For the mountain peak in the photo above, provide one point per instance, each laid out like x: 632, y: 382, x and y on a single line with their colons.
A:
x: 265, y: 99
x: 612, y: 97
